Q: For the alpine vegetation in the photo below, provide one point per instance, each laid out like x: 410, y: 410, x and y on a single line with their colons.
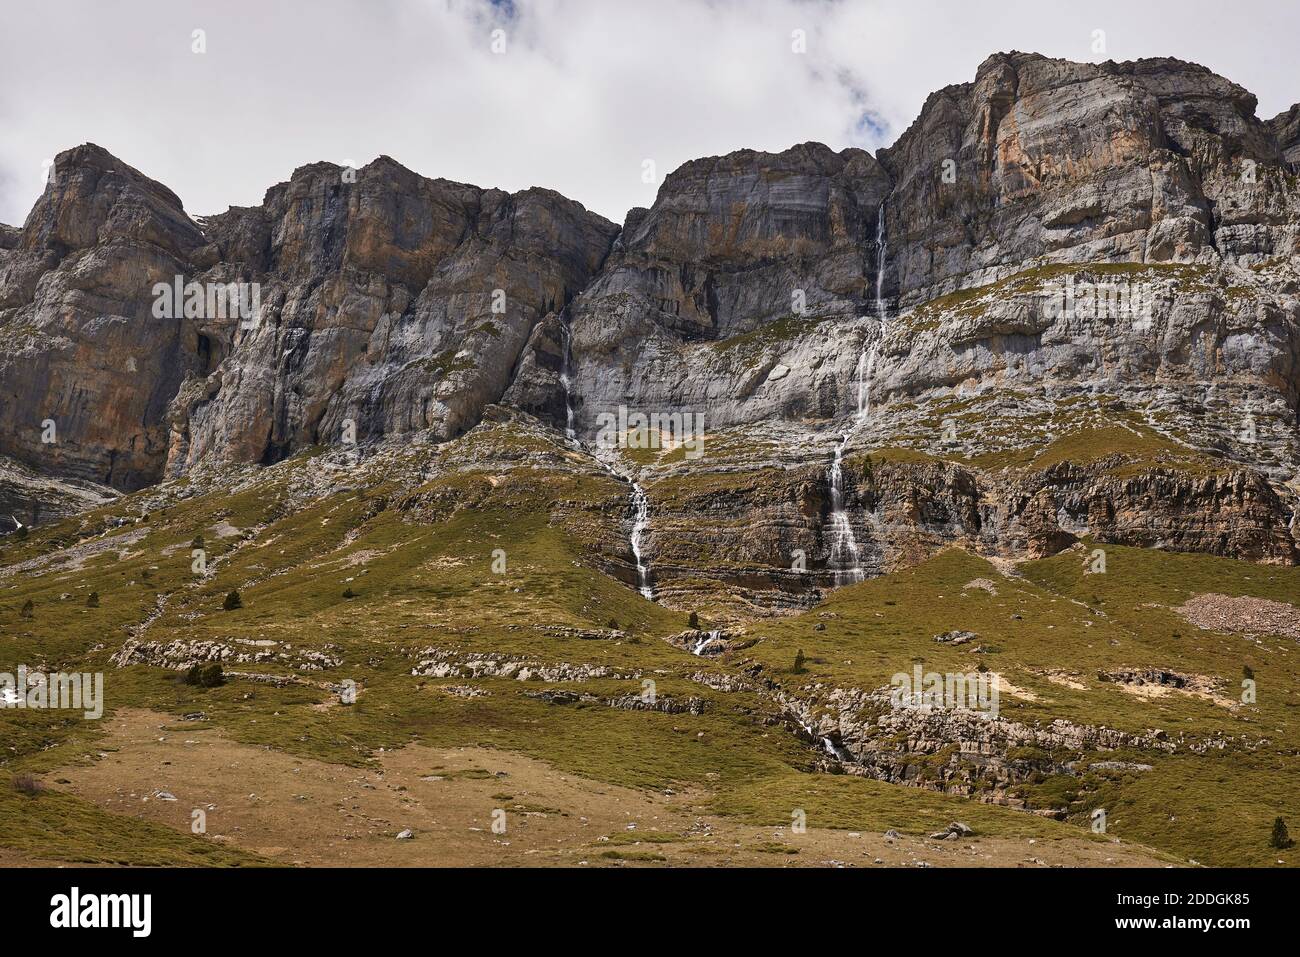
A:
x: 935, y: 504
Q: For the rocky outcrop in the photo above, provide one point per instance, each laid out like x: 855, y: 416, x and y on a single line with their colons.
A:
x: 896, y: 313
x: 445, y: 663
x: 388, y: 304
x: 736, y: 249
x: 28, y: 498
x: 1285, y: 128
x: 765, y: 534
x: 86, y: 371
x: 180, y: 655
x: 1151, y: 161
x: 393, y: 304
x: 967, y: 753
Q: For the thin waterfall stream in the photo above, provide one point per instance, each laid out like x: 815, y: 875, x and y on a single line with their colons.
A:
x: 640, y: 501
x: 845, y: 555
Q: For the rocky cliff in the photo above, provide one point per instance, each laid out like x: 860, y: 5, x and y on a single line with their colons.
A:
x: 881, y: 347
x: 386, y: 300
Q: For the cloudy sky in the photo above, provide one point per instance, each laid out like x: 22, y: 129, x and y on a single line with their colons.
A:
x: 583, y: 93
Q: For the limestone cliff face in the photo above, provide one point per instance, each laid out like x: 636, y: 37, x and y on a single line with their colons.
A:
x: 388, y: 301
x: 1285, y: 128
x: 86, y: 372
x: 391, y: 305
x: 805, y: 302
x: 759, y: 540
x: 745, y: 245
x: 1151, y: 161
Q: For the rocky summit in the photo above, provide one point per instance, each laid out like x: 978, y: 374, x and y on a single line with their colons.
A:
x: 441, y: 484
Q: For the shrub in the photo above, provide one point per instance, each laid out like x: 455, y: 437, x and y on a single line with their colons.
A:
x: 198, y: 542
x: 694, y: 621
x: 26, y: 784
x: 92, y: 601
x: 207, y: 675
x: 233, y: 601
x: 349, y: 593
x: 28, y: 609
x: 799, y: 660
x: 1281, y: 839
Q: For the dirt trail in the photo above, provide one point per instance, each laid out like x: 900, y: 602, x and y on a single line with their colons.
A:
x: 301, y: 811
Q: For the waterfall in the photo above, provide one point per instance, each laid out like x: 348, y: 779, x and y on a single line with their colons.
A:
x: 830, y: 747
x: 566, y: 379
x: 845, y: 557
x: 709, y: 637
x: 882, y: 246
x: 641, y: 505
x: 640, y: 521
x: 640, y: 501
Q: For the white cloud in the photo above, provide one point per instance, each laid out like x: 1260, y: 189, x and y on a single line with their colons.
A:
x: 586, y: 91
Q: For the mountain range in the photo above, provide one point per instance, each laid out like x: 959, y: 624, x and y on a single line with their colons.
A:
x: 1019, y: 393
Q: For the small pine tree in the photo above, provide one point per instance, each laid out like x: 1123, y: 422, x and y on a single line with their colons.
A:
x: 1281, y: 839
x: 613, y: 623
x: 28, y: 609
x: 92, y: 601
x: 799, y: 662
x: 211, y: 675
x: 233, y: 601
x: 198, y: 542
x: 1247, y: 672
x: 694, y: 621
x: 349, y: 593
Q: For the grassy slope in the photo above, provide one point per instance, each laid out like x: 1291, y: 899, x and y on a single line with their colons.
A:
x: 431, y: 584
x: 1217, y: 808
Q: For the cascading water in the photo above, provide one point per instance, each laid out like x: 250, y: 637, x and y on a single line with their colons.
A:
x: 845, y: 561
x: 830, y: 747
x: 882, y: 245
x: 844, y: 558
x: 709, y: 638
x: 641, y: 505
x: 566, y: 380
x: 640, y: 501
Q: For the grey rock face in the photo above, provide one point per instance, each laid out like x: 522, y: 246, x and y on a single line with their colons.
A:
x: 86, y: 372
x: 1151, y: 161
x: 749, y: 244
x: 1285, y: 128
x: 393, y: 305
x: 389, y: 304
x: 809, y: 300
x: 29, y: 498
x: 871, y: 736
